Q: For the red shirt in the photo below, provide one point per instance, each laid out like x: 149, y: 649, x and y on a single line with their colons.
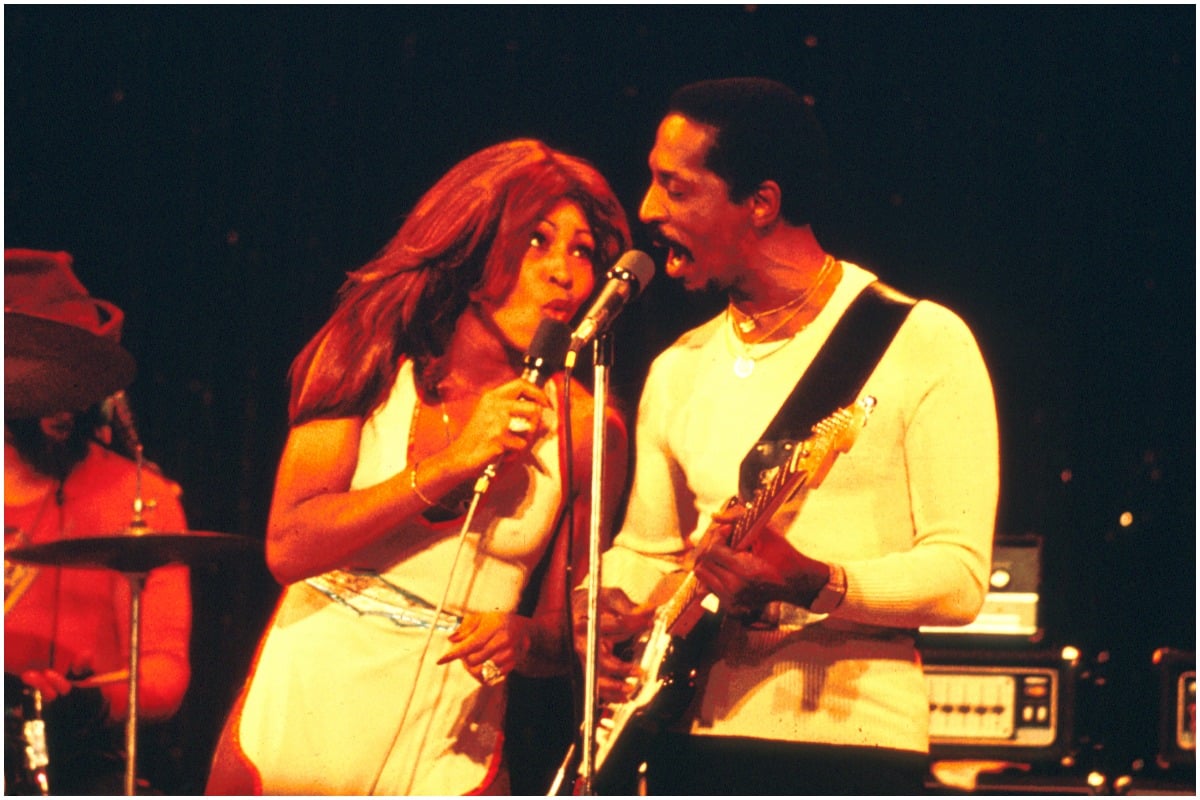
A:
x: 71, y: 615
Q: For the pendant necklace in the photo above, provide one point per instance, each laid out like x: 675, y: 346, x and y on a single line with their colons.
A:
x: 743, y: 361
x: 751, y: 320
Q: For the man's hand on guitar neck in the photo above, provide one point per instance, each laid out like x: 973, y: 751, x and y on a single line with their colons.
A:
x: 621, y: 624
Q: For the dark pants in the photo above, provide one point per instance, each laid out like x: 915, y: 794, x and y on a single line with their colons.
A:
x: 713, y: 765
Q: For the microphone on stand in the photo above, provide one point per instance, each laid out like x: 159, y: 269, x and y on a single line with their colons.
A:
x: 120, y: 416
x: 626, y: 280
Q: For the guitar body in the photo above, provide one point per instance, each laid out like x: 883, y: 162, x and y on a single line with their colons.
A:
x: 688, y: 618
x: 673, y: 675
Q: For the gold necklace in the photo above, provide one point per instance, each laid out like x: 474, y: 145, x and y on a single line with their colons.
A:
x: 743, y: 361
x: 751, y: 321
x: 412, y: 436
x: 412, y: 428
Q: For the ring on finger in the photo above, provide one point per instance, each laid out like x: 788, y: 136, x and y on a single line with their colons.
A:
x: 519, y: 425
x: 491, y: 673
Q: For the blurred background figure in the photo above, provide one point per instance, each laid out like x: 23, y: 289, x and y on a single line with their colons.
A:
x: 70, y: 472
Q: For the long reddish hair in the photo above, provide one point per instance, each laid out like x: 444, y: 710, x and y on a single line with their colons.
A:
x: 463, y: 242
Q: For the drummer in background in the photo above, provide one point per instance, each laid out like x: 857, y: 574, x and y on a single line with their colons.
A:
x: 66, y: 631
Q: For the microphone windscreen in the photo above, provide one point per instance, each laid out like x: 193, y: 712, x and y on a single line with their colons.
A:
x: 639, y: 265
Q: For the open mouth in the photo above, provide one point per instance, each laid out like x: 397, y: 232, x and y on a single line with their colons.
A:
x: 678, y: 256
x: 559, y: 310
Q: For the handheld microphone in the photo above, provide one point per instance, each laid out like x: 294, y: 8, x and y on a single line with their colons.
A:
x: 626, y: 280
x: 545, y: 357
x: 547, y: 351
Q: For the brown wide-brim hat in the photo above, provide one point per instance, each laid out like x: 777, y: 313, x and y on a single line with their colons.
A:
x: 62, y: 347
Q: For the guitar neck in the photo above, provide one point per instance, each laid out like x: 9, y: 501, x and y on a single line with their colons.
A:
x: 686, y: 605
x: 684, y: 608
x: 806, y: 466
x: 766, y: 502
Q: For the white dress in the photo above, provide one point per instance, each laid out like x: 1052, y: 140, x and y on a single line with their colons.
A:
x: 341, y: 700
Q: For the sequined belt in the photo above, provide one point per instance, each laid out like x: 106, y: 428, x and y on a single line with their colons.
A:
x: 369, y: 594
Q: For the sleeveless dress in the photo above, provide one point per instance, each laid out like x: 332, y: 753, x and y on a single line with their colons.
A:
x: 346, y: 696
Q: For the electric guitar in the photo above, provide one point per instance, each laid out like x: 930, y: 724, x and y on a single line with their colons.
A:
x: 688, y: 620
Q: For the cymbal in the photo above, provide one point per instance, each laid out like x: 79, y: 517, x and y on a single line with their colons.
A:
x: 134, y: 552
x: 51, y: 366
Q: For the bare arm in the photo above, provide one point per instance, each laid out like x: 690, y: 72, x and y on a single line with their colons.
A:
x: 318, y: 523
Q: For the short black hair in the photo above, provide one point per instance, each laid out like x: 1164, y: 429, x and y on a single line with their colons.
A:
x: 765, y: 131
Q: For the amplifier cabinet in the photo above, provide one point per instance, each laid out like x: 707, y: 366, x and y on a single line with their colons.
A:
x: 1002, y: 705
x: 1177, y: 707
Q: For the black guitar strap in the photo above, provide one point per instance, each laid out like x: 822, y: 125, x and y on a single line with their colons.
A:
x: 834, y: 378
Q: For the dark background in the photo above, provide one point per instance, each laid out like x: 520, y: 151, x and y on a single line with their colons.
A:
x: 216, y: 170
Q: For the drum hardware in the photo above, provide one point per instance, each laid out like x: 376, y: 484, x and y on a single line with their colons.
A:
x: 26, y: 757
x: 131, y: 552
x: 134, y: 554
x: 36, y: 757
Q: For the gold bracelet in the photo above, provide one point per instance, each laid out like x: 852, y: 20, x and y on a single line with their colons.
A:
x: 412, y: 481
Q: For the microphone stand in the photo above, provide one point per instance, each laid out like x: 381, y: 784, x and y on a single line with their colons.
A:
x: 601, y: 361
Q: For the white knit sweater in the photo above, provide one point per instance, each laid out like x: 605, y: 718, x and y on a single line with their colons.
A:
x: 909, y: 511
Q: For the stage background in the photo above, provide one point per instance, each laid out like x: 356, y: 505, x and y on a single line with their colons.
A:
x: 215, y: 170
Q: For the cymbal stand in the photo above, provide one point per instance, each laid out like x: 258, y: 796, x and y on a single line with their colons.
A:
x: 137, y: 582
x: 138, y: 524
